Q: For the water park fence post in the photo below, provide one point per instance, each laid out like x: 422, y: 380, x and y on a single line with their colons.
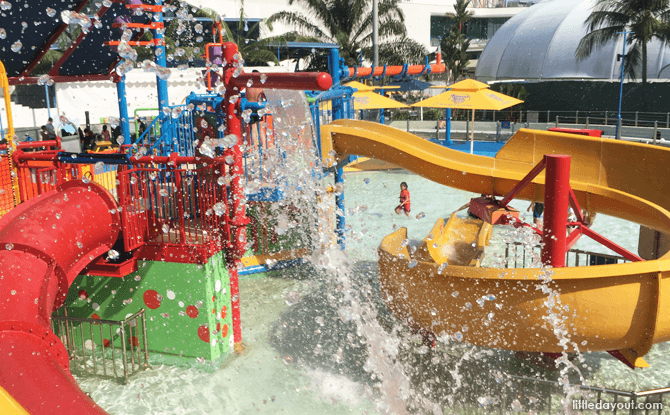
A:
x: 335, y: 69
x: 124, y: 121
x: 623, y: 61
x: 159, y: 56
x: 556, y: 200
x: 236, y: 207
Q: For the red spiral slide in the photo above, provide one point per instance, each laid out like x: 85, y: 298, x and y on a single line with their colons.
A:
x: 44, y: 244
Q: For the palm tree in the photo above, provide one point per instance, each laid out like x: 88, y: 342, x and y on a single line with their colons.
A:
x: 454, y: 48
x: 455, y: 44
x: 461, y: 15
x: 256, y: 52
x: 644, y: 20
x: 398, y: 52
x: 347, y: 23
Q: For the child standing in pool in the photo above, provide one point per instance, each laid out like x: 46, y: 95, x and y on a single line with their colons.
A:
x: 404, y: 200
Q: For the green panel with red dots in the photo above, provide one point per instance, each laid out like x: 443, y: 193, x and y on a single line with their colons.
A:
x: 188, y: 309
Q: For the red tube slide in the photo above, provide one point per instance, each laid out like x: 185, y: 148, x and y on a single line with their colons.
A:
x: 44, y: 244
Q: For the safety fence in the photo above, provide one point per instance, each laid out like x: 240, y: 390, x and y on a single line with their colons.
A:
x: 174, y: 206
x: 35, y: 177
x: 520, y: 255
x: 7, y: 194
x: 105, y: 348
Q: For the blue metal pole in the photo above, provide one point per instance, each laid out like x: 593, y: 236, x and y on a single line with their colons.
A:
x: 447, y: 132
x: 335, y: 69
x: 124, y: 122
x: 160, y: 60
x: 46, y: 89
x: 623, y: 61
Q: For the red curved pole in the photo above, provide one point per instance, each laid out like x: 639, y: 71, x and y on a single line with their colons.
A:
x: 39, y: 261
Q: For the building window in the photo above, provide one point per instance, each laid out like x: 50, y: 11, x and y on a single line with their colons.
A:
x: 481, y: 28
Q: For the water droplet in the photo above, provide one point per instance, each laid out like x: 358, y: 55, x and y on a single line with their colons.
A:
x: 292, y: 297
x: 9, y: 246
x: 455, y: 294
x: 51, y: 12
x: 165, y: 228
x: 163, y: 192
x: 112, y: 255
x: 219, y: 208
x: 264, y: 78
x: 16, y: 46
x: 3, y: 34
x: 411, y: 264
x: 5, y: 5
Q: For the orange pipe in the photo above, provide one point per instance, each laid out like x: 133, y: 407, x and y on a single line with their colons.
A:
x: 437, y: 67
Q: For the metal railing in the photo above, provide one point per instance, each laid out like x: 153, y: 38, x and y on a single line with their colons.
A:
x: 7, y: 200
x: 544, y: 397
x: 92, y: 353
x: 518, y: 255
x: 173, y: 205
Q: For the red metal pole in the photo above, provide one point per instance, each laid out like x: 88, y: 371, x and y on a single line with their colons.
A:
x: 306, y: 81
x: 556, y: 199
x: 236, y: 206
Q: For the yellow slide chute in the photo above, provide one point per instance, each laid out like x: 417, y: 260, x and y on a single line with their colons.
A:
x: 619, y: 308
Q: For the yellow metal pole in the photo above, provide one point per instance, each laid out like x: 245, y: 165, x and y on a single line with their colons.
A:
x: 4, y: 83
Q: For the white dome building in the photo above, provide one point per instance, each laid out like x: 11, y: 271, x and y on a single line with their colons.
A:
x: 539, y: 44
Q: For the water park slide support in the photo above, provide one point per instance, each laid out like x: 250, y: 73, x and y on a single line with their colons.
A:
x: 601, y: 183
x: 44, y: 244
x: 556, y: 199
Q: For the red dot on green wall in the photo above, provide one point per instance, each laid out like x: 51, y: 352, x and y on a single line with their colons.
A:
x: 192, y: 311
x: 95, y: 316
x: 151, y: 299
x: 106, y: 343
x: 83, y: 294
x: 203, y: 333
x: 224, y: 330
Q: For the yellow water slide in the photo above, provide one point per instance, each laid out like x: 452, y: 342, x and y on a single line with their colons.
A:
x: 623, y: 308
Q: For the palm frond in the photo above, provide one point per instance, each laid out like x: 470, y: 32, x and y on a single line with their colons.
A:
x: 298, y: 21
x: 596, y: 38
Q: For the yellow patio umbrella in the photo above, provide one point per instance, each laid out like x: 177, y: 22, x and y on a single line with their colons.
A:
x: 361, y: 87
x: 370, y: 101
x: 470, y: 94
x: 367, y: 100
